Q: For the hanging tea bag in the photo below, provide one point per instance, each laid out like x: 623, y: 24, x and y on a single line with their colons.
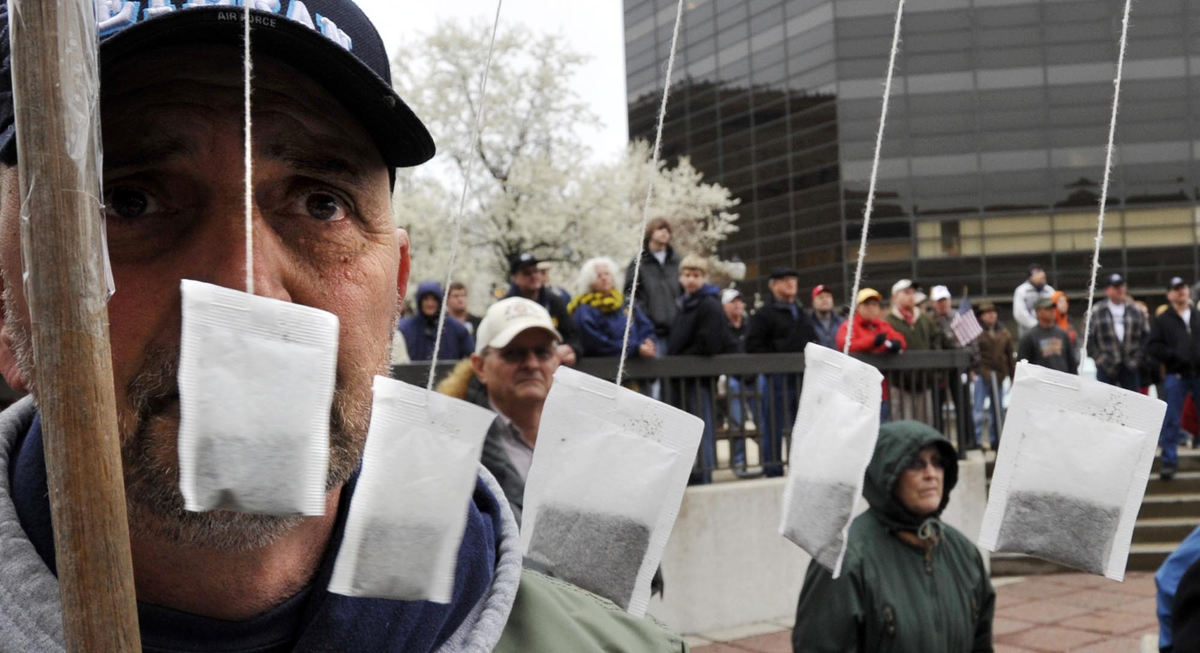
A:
x: 1074, y: 459
x: 409, y: 508
x: 833, y: 440
x: 256, y: 379
x: 608, y: 475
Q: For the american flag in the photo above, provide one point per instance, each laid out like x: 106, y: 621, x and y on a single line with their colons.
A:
x: 964, y: 325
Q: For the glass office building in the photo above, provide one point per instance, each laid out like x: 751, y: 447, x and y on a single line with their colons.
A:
x: 993, y: 154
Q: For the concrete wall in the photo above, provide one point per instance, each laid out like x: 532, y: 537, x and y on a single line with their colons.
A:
x: 726, y: 565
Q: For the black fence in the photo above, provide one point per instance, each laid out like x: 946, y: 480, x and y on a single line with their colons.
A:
x: 748, y: 401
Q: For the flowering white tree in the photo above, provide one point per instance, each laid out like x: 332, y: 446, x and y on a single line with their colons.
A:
x: 530, y: 187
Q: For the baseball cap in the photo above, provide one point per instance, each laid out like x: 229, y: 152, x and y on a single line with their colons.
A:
x: 507, y: 318
x: 868, y: 293
x: 820, y: 288
x: 331, y: 41
x: 1115, y: 279
x: 780, y: 273
x: 985, y: 306
x: 939, y: 292
x: 521, y: 260
x: 1044, y: 302
x: 730, y: 294
x: 1176, y: 282
x: 903, y: 284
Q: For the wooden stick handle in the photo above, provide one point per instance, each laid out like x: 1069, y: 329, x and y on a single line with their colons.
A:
x: 55, y: 93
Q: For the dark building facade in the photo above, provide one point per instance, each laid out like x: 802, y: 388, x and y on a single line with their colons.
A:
x: 993, y: 153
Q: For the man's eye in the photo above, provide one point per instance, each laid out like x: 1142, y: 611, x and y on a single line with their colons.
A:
x: 324, y: 207
x: 126, y: 203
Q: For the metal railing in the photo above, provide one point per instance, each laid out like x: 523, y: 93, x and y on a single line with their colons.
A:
x: 748, y: 401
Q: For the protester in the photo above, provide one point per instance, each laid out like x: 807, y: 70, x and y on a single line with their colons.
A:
x: 658, y: 280
x: 599, y: 314
x: 909, y: 582
x: 872, y: 335
x: 917, y: 327
x: 1177, y: 597
x: 1062, y: 304
x: 825, y: 320
x: 456, y: 307
x: 1118, y: 336
x: 1175, y: 342
x: 1025, y: 297
x: 943, y: 316
x: 329, y: 131
x: 544, y: 270
x: 739, y: 407
x: 994, y: 363
x: 700, y: 329
x: 420, y: 329
x: 527, y: 281
x: 1046, y: 344
x: 779, y: 326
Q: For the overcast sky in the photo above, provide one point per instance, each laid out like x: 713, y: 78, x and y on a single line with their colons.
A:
x: 593, y: 28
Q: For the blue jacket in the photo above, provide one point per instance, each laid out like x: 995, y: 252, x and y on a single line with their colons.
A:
x: 1166, y: 583
x: 418, y: 331
x: 601, y: 334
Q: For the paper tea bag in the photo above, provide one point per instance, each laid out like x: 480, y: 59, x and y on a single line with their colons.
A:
x: 409, y: 509
x: 256, y: 378
x: 833, y: 440
x: 1074, y: 459
x: 608, y: 474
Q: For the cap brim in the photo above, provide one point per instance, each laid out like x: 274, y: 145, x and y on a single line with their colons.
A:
x: 400, y: 136
x: 518, y: 327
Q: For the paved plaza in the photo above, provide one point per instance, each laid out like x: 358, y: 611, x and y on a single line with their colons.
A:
x: 1054, y: 612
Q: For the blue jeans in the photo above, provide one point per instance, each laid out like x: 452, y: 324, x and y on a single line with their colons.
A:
x: 738, y: 408
x: 698, y: 401
x: 780, y: 398
x: 982, y: 391
x: 1126, y: 378
x: 1176, y: 388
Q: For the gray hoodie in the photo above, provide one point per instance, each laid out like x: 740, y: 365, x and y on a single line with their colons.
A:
x: 31, y: 617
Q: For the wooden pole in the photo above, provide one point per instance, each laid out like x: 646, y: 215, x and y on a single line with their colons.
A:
x: 56, y: 98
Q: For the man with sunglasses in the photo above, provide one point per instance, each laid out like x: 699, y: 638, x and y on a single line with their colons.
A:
x: 515, y: 359
x: 909, y: 582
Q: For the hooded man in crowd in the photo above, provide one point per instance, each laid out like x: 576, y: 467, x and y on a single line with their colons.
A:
x: 419, y: 330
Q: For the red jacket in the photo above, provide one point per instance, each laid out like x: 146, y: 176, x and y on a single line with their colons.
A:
x: 865, y: 332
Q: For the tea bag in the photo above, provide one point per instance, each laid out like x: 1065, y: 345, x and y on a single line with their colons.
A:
x: 256, y: 379
x: 409, y: 509
x: 1072, y: 468
x: 608, y: 474
x: 833, y: 440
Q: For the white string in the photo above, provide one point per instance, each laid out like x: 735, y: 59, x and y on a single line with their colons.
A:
x: 249, y: 203
x: 870, y: 206
x: 462, y: 202
x: 637, y: 265
x: 1108, y: 157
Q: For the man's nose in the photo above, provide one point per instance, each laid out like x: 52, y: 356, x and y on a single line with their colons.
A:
x: 222, y: 246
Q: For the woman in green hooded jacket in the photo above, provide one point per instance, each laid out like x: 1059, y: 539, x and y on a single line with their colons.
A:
x: 908, y: 581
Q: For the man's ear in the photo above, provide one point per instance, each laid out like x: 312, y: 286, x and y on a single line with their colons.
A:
x: 404, y: 268
x: 10, y: 207
x: 477, y: 365
x: 9, y: 368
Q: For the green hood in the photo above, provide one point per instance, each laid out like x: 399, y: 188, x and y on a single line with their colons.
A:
x: 898, y: 445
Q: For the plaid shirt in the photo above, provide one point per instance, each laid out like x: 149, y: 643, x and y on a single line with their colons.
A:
x: 1108, y: 352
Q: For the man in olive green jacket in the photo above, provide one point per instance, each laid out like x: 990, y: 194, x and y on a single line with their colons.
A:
x: 908, y: 581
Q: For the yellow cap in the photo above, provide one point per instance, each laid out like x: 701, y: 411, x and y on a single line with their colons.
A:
x: 868, y: 293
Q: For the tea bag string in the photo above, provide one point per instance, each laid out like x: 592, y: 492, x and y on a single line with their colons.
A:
x: 476, y: 130
x: 1108, y: 157
x: 637, y: 260
x: 870, y: 205
x: 247, y: 68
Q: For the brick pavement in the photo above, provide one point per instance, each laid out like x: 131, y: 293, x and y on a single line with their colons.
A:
x: 1055, y: 612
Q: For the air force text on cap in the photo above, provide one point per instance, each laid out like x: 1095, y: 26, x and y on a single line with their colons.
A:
x: 115, y: 15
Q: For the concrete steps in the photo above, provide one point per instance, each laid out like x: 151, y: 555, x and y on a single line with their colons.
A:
x: 1170, y: 511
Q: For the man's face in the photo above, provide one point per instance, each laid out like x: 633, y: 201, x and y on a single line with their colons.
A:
x: 988, y: 318
x: 1037, y: 277
x: 905, y: 299
x: 1045, y: 317
x: 521, y: 371
x: 942, y: 306
x: 823, y: 302
x: 429, y: 305
x: 1116, y: 294
x: 919, y: 487
x: 660, y: 237
x: 456, y: 300
x: 323, y: 237
x: 1178, y: 296
x: 735, y: 309
x: 870, y: 309
x: 784, y: 288
x: 692, y: 279
x: 528, y: 279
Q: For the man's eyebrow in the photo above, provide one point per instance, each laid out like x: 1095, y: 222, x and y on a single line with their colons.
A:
x: 152, y: 149
x: 322, y: 163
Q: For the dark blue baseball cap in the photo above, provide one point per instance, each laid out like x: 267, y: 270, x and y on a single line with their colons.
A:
x: 331, y: 41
